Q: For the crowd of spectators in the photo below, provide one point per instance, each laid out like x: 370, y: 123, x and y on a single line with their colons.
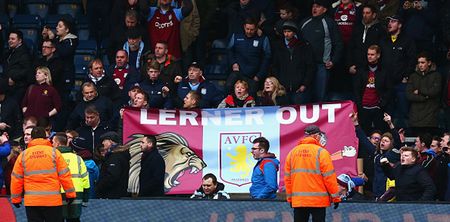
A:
x: 389, y: 56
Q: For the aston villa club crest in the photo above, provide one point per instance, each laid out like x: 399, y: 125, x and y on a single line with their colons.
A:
x: 235, y: 158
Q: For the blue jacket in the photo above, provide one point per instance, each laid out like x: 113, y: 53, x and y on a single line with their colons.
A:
x: 155, y: 95
x: 5, y: 149
x: 252, y: 54
x: 265, y: 181
x: 211, y: 96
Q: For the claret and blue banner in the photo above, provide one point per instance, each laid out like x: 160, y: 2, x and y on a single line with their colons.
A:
x: 196, y: 142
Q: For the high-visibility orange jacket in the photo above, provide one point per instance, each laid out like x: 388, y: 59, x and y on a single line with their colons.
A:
x: 309, y: 176
x: 38, y: 174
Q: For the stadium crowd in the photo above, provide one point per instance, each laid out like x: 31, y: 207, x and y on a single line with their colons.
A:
x: 389, y: 56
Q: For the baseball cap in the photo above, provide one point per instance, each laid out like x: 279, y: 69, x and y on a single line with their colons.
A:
x: 195, y: 65
x: 312, y: 129
x: 395, y: 17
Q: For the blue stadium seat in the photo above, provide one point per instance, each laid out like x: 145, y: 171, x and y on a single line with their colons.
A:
x: 4, y: 22
x: 82, y: 27
x: 13, y: 7
x: 52, y: 20
x: 218, y: 65
x: 37, y: 7
x: 30, y: 25
x: 71, y: 7
x: 85, y: 52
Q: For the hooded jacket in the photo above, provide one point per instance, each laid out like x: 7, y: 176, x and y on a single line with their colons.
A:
x: 424, y: 106
x: 264, y: 178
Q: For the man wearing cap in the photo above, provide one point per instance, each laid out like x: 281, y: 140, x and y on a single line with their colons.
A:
x: 210, y: 96
x: 81, y: 147
x: 347, y: 189
x: 293, y: 64
x: 311, y: 183
x: 135, y: 47
x: 113, y: 180
x: 264, y: 176
x: 323, y: 34
x: 153, y: 169
x: 398, y: 56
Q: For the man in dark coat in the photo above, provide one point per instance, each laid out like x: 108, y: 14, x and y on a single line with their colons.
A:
x: 399, y: 57
x: 17, y: 66
x: 372, y: 89
x: 293, y: 64
x: 424, y: 94
x: 412, y: 181
x: 10, y: 115
x: 105, y: 84
x: 151, y: 176
x: 91, y: 98
x: 113, y: 181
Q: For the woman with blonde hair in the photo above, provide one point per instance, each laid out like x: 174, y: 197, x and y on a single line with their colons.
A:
x: 41, y: 99
x: 273, y: 93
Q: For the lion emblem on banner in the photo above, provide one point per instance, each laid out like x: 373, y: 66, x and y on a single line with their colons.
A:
x: 177, y: 155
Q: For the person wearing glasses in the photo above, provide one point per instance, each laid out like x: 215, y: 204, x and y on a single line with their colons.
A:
x: 49, y: 58
x: 264, y: 177
x: 389, y: 142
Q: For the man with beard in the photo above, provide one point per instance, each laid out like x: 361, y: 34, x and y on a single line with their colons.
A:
x: 151, y: 176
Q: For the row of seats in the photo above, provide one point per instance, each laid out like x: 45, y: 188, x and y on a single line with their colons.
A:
x: 32, y: 25
x: 43, y: 8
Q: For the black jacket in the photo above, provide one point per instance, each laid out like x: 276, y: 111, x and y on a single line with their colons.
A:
x: 398, y: 57
x: 383, y: 85
x: 102, y: 104
x: 56, y: 66
x: 18, y: 66
x: 92, y: 136
x: 113, y: 180
x: 293, y: 67
x: 151, y: 177
x: 106, y: 87
x: 66, y: 51
x: 412, y: 182
x: 11, y: 114
x: 357, y: 49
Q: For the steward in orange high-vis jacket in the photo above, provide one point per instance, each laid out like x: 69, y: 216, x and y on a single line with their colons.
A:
x: 311, y: 183
x: 38, y: 174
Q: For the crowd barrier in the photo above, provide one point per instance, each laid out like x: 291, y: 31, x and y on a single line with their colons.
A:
x: 249, y: 210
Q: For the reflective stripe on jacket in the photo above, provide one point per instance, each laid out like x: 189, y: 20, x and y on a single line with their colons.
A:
x: 38, y: 174
x: 309, y: 176
x: 77, y: 168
